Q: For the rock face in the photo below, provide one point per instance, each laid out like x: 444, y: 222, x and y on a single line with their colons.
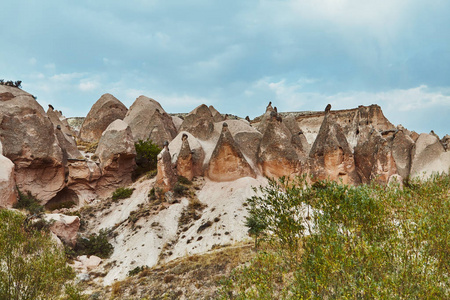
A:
x: 148, y: 120
x: 298, y: 138
x: 106, y: 110
x: 57, y: 119
x: 65, y: 227
x: 216, y: 115
x: 277, y: 156
x: 402, y: 145
x: 8, y: 192
x: 199, y: 122
x: 166, y: 176
x: 330, y: 156
x: 445, y: 141
x: 227, y: 162
x: 185, y: 161
x: 187, y: 152
x: 29, y: 141
x: 373, y: 158
x: 116, y: 152
x: 429, y: 156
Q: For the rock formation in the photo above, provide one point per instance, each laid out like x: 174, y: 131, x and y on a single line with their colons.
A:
x: 428, y: 156
x: 57, y: 119
x: 216, y: 115
x: 277, y: 156
x: 29, y: 141
x: 179, y: 146
x: 148, y: 120
x: 402, y: 145
x: 445, y: 141
x: 8, y: 191
x: 373, y: 158
x: 116, y: 152
x: 330, y: 156
x: 166, y: 176
x: 106, y: 110
x: 65, y: 227
x: 199, y: 122
x: 185, y: 161
x: 298, y: 138
x: 227, y: 162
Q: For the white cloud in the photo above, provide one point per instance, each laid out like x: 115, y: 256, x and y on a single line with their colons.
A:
x: 32, y: 61
x: 66, y: 77
x: 86, y: 86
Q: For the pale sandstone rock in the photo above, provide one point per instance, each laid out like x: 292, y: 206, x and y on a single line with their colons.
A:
x: 57, y: 119
x: 166, y: 176
x: 177, y: 121
x: 106, y: 110
x: 445, y: 141
x: 116, y: 152
x: 197, y: 152
x: 216, y: 115
x: 402, y: 145
x: 428, y: 157
x: 148, y: 120
x: 8, y: 191
x: 199, y: 122
x: 65, y: 227
x: 330, y: 156
x: 29, y: 141
x: 227, y: 162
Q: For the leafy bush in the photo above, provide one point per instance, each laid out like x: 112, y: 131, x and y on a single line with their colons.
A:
x: 332, y: 241
x: 122, y: 193
x: 137, y: 270
x: 32, y: 265
x: 95, y: 244
x: 179, y: 189
x: 146, y: 156
x: 184, y: 180
x: 29, y: 203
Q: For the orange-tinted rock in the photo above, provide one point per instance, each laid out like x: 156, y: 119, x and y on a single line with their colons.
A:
x: 330, y: 156
x: 106, y: 110
x: 185, y: 161
x: 166, y: 176
x: 227, y: 162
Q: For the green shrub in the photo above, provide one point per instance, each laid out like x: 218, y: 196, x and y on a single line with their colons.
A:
x: 184, y: 180
x: 122, y: 193
x: 146, y: 156
x: 137, y: 270
x: 333, y: 241
x: 95, y: 244
x: 179, y: 189
x: 29, y: 203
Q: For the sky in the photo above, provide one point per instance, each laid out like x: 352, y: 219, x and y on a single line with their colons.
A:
x: 235, y: 55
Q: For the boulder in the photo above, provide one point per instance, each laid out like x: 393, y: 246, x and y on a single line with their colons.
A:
x: 106, y: 110
x: 215, y: 114
x: 166, y: 176
x: 402, y: 145
x: 227, y: 163
x: 29, y: 141
x: 199, y: 122
x: 277, y: 156
x: 148, y: 120
x: 65, y: 227
x: 330, y: 156
x: 373, y: 158
x: 428, y: 157
x: 116, y: 152
x: 89, y: 263
x: 8, y: 191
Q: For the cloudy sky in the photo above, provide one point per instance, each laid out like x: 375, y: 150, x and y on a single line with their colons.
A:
x: 235, y: 55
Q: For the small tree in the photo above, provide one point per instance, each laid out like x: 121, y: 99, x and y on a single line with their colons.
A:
x: 32, y: 266
x: 146, y: 156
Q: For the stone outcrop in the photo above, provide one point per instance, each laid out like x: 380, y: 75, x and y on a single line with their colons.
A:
x: 116, y: 152
x: 82, y: 183
x: 148, y: 120
x: 177, y: 121
x: 29, y: 141
x: 199, y: 122
x: 373, y: 158
x: 298, y: 137
x: 277, y: 156
x: 215, y: 114
x: 106, y: 110
x: 191, y: 152
x: 428, y: 157
x: 445, y: 141
x: 65, y: 227
x: 166, y: 176
x: 402, y: 145
x: 330, y: 156
x: 58, y: 120
x: 8, y: 191
x: 227, y: 163
x: 185, y: 161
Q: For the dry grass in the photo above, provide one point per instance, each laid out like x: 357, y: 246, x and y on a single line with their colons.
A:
x: 194, y: 277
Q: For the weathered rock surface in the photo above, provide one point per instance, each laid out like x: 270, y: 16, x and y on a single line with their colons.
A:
x: 57, y: 119
x: 373, y: 158
x: 298, y: 137
x: 277, y: 156
x: 116, y: 152
x: 428, y: 157
x: 106, y: 110
x: 8, y: 191
x: 445, y: 141
x: 402, y: 145
x: 199, y: 122
x: 216, y: 115
x: 177, y: 121
x: 166, y: 176
x: 185, y: 161
x: 194, y: 157
x: 148, y: 120
x: 29, y: 141
x: 330, y: 156
x: 65, y: 227
x: 227, y: 163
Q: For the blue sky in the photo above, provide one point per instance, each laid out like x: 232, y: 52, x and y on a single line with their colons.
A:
x: 235, y: 55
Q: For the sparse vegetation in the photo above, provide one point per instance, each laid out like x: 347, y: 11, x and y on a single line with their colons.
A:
x: 333, y: 241
x: 146, y: 157
x: 122, y: 193
x: 17, y: 84
x: 29, y: 203
x: 94, y: 244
